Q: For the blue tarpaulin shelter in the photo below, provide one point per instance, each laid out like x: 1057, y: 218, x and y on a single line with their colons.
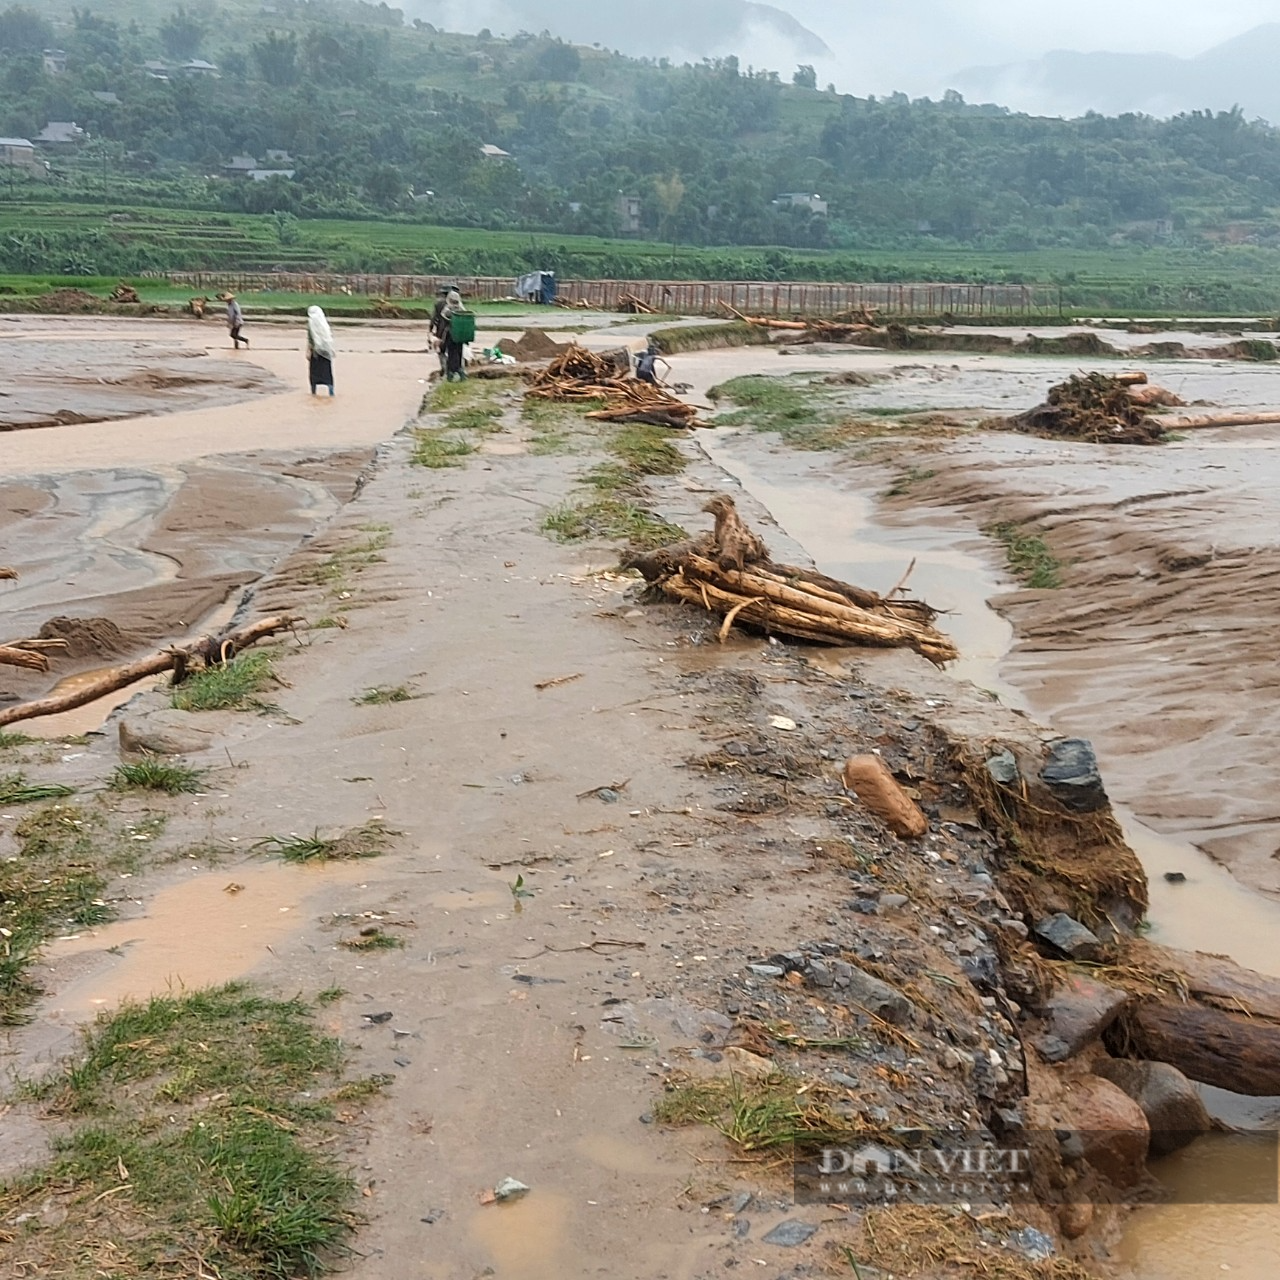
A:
x: 537, y: 286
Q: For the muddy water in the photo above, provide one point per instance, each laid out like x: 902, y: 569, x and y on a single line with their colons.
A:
x: 201, y: 932
x: 1213, y: 912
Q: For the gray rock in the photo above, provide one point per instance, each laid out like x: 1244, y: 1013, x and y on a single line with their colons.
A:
x: 739, y: 1202
x: 510, y: 1189
x: 820, y: 974
x: 1077, y: 1014
x: 1068, y: 936
x: 1032, y: 1244
x: 791, y: 1234
x: 1003, y: 768
x: 1071, y: 773
x: 767, y: 970
x: 165, y: 731
x: 879, y: 997
x: 1051, y: 1049
x: 892, y: 901
x: 1171, y: 1103
x: 844, y: 1081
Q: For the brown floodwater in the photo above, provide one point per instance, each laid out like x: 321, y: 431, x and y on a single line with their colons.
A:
x: 956, y: 571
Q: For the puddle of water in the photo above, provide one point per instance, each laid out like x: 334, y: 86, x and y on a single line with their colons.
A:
x: 1211, y: 912
x: 197, y: 933
x: 527, y: 1239
x: 86, y: 719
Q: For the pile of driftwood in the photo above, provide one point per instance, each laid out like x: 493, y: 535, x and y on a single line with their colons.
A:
x: 182, y: 660
x: 1119, y: 409
x: 729, y: 572
x: 581, y: 375
x: 842, y: 328
x: 124, y: 292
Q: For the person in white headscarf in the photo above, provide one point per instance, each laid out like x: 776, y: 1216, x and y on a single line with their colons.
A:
x: 320, y: 349
x: 452, y: 351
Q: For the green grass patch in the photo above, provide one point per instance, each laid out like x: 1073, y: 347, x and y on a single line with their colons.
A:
x: 369, y: 841
x: 54, y: 883
x: 331, y: 995
x: 755, y: 1115
x: 10, y: 741
x: 1028, y: 556
x: 384, y: 694
x: 475, y: 417
x: 646, y: 450
x: 435, y: 449
x: 15, y: 789
x: 151, y: 774
x: 611, y: 519
x: 232, y: 687
x: 197, y: 1131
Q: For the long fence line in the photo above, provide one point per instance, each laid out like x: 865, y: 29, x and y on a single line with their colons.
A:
x: 678, y: 297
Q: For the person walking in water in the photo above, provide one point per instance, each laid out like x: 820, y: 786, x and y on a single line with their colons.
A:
x: 235, y: 321
x: 320, y: 350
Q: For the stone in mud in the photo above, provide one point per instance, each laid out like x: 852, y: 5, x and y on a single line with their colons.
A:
x: 165, y: 731
x: 1168, y: 1099
x: 1071, y: 773
x: 1032, y: 1244
x: 1003, y: 768
x: 791, y: 1234
x: 1075, y: 1219
x: 1077, y: 1015
x: 1068, y: 936
x: 878, y: 997
x: 1112, y: 1129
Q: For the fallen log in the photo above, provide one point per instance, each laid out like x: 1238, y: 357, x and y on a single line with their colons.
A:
x: 10, y: 575
x: 177, y: 659
x: 32, y: 661
x: 1196, y: 422
x: 729, y: 572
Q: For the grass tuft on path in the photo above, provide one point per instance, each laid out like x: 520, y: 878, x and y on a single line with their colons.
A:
x: 196, y: 1132
x: 151, y: 774
x: 369, y: 841
x: 611, y: 519
x: 227, y: 688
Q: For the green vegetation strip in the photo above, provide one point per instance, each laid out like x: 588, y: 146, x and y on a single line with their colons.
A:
x: 227, y: 688
x: 196, y: 1128
x: 1028, y: 556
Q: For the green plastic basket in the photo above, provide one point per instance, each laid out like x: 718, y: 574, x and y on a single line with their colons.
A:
x: 462, y: 327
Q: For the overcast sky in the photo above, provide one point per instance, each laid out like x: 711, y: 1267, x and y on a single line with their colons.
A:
x: 883, y: 45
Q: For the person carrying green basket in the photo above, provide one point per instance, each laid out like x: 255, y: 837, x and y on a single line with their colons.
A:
x: 455, y: 329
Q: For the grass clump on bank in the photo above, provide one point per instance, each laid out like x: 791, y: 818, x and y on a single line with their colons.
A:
x: 55, y: 883
x: 195, y: 1134
x: 710, y: 337
x: 384, y: 694
x: 151, y: 774
x: 369, y: 841
x: 792, y: 407
x: 757, y: 1115
x: 10, y: 741
x: 231, y: 687
x: 435, y: 449
x: 611, y: 519
x: 15, y: 789
x: 1028, y: 556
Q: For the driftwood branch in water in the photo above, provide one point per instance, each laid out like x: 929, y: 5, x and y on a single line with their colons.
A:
x: 729, y: 572
x: 1196, y: 421
x: 10, y: 656
x: 175, y: 659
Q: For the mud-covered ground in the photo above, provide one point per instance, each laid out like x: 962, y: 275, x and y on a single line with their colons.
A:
x: 585, y: 871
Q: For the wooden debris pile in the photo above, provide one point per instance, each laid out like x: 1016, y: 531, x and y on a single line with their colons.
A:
x: 30, y: 654
x: 846, y: 327
x: 1103, y: 409
x: 581, y: 375
x: 633, y: 306
x: 124, y: 292
x: 729, y: 572
x: 1095, y: 407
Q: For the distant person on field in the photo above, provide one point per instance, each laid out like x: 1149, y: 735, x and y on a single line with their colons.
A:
x: 647, y: 366
x: 437, y: 330
x: 320, y: 350
x: 235, y: 321
x: 453, y: 350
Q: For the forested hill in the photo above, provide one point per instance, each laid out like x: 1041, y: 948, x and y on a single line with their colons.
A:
x: 377, y: 115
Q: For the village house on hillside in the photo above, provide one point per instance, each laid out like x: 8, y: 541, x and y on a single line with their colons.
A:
x: 802, y: 200
x: 198, y: 67
x: 490, y: 152
x: 629, y: 210
x: 19, y: 153
x: 156, y: 70
x: 61, y: 133
x: 55, y: 62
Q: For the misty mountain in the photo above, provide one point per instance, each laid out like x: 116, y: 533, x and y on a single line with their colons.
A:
x: 1241, y: 72
x: 674, y: 29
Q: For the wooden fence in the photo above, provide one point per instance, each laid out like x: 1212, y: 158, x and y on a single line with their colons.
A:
x: 676, y: 297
